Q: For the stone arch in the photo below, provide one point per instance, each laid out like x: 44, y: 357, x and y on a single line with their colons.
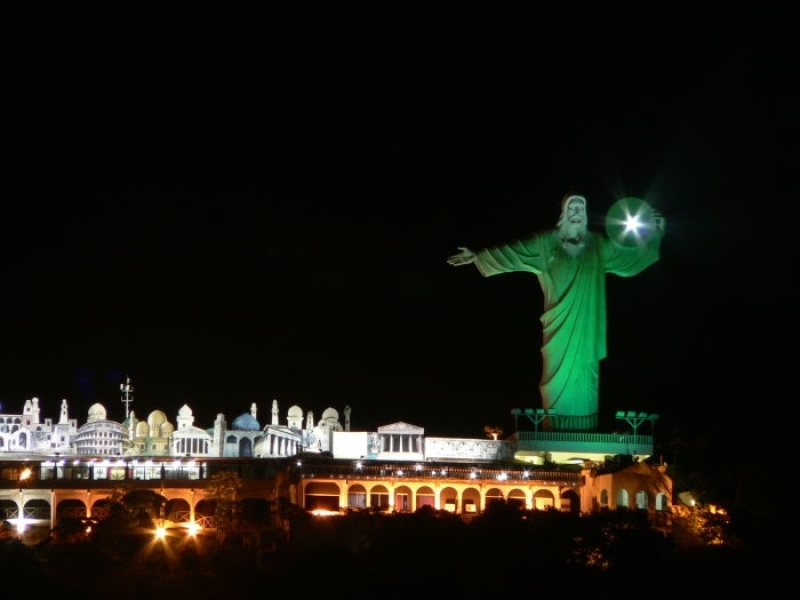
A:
x: 101, y: 508
x: 204, y: 512
x: 471, y: 500
x: 425, y: 497
x: 321, y: 495
x: 543, y: 500
x: 8, y: 509
x: 357, y: 497
x: 448, y: 499
x: 38, y: 508
x: 379, y: 497
x: 570, y: 502
x: 71, y: 508
x: 403, y: 499
x: 494, y: 495
x: 177, y: 510
x: 245, y: 447
x: 518, y: 498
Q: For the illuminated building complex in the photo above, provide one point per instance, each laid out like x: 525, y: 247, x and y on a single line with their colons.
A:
x: 50, y: 471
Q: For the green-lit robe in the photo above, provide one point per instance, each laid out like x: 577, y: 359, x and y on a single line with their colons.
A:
x: 574, y: 318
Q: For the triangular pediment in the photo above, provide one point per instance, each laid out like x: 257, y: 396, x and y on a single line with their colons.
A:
x: 401, y: 427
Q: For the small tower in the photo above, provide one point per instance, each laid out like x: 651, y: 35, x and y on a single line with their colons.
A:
x: 30, y: 413
x: 64, y: 418
x: 127, y: 395
x: 275, y: 420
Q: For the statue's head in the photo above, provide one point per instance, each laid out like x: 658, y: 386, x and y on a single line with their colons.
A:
x: 574, y: 220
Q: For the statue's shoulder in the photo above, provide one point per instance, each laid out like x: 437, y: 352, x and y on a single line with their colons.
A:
x: 544, y: 236
x: 540, y: 240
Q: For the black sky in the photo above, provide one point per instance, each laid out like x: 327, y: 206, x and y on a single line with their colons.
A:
x: 239, y: 213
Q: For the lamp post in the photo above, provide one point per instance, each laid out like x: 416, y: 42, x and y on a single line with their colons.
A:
x: 635, y: 419
x: 21, y: 514
x: 24, y: 475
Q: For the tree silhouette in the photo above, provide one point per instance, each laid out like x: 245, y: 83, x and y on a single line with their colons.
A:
x: 223, y: 487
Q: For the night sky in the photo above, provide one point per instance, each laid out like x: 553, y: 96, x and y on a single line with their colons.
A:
x: 251, y: 210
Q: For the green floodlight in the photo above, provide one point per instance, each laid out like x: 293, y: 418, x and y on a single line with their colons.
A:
x: 630, y: 222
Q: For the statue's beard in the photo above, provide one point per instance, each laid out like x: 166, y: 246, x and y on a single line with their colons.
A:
x: 573, y: 231
x: 573, y: 237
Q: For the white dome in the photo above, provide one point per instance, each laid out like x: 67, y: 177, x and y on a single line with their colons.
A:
x: 97, y: 412
x: 330, y: 414
x: 156, y: 419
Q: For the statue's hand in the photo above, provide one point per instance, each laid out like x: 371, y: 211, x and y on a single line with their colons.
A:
x: 465, y: 256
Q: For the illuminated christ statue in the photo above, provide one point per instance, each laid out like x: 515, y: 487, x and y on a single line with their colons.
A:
x: 570, y: 262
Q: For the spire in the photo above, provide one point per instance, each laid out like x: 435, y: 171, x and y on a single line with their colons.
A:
x: 127, y: 395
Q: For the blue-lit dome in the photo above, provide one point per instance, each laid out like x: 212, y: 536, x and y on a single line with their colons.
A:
x: 246, y: 422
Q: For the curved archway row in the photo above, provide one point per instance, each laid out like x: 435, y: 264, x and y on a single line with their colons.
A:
x: 36, y: 513
x: 335, y: 496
